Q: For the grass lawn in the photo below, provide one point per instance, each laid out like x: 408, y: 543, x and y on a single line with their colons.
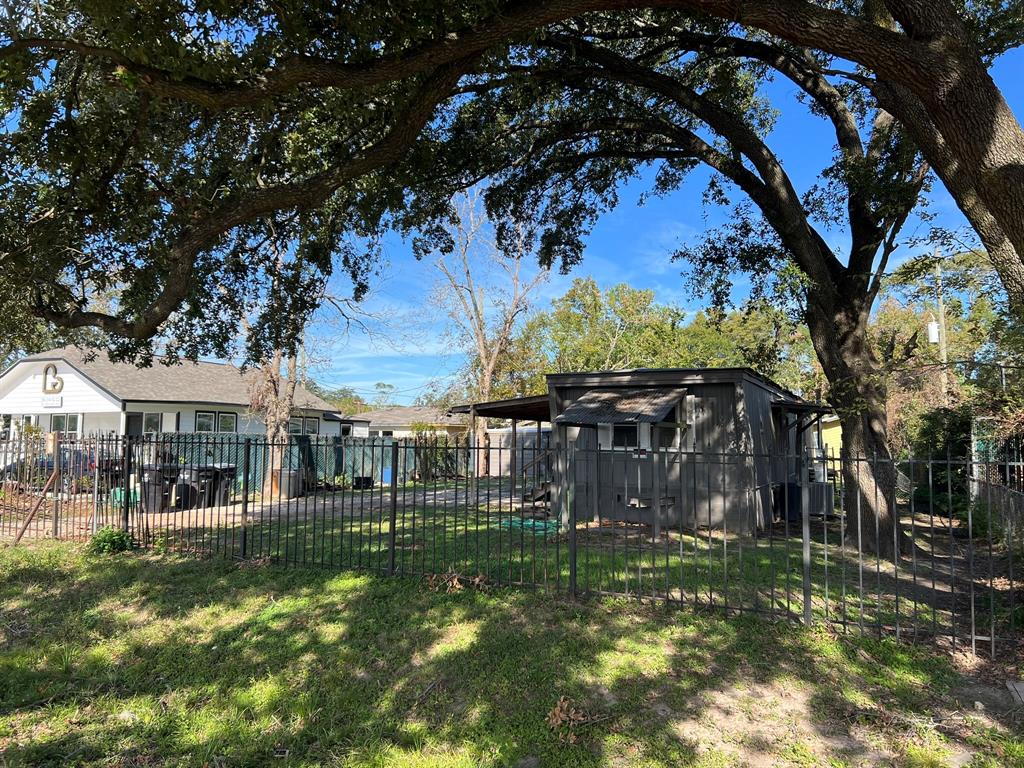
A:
x: 146, y: 659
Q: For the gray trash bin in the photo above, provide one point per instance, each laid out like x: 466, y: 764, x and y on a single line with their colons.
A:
x: 289, y: 483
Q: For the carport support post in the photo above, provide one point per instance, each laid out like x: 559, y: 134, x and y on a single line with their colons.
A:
x: 512, y: 462
x: 246, y: 459
x: 393, y: 516
x: 805, y: 514
x: 570, y: 504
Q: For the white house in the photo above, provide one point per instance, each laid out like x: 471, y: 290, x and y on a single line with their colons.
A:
x: 78, y: 393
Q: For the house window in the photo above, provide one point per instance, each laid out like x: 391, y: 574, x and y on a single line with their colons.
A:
x: 304, y: 426
x: 227, y: 422
x: 667, y: 437
x: 206, y: 421
x: 151, y: 423
x: 65, y: 423
x: 346, y: 430
x: 624, y: 436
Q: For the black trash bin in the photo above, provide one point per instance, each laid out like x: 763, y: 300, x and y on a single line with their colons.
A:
x: 207, y: 485
x: 153, y: 489
x: 223, y: 481
x: 788, y: 505
x: 194, y: 487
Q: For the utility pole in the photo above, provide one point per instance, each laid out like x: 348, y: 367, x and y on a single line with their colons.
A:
x: 943, y: 354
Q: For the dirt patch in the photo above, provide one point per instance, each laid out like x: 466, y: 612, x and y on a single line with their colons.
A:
x: 776, y: 723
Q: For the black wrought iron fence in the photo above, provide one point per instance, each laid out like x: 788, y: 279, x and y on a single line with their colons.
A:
x: 801, y: 537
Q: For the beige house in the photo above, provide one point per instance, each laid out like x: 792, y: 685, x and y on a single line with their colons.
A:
x: 410, y: 421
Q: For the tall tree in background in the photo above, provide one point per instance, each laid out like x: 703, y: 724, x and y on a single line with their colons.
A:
x: 345, y: 399
x: 486, y: 291
x: 384, y: 395
x: 589, y: 328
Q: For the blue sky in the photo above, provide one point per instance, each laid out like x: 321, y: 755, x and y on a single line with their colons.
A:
x: 407, y: 347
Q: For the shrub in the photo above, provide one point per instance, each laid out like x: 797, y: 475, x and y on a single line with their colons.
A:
x: 986, y: 523
x: 161, y: 544
x: 107, y: 541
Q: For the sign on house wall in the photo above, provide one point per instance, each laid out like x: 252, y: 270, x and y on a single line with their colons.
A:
x: 52, y: 387
x: 43, y: 388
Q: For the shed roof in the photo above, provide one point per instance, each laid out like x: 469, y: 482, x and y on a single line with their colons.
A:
x: 622, y: 406
x: 529, y: 408
x: 668, y: 377
x: 202, y: 382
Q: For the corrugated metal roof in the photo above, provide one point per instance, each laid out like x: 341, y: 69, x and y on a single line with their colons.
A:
x: 622, y: 406
x: 220, y: 383
x: 529, y: 408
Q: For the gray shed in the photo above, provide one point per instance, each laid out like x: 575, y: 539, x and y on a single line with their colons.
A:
x: 673, y: 448
x: 676, y: 447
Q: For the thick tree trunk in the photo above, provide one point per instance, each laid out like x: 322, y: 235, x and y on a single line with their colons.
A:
x: 976, y: 126
x: 857, y: 392
x: 276, y: 399
x: 968, y: 188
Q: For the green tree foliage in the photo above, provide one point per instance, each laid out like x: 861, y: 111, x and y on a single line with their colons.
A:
x: 345, y: 399
x: 621, y: 327
x: 985, y: 354
x: 152, y: 153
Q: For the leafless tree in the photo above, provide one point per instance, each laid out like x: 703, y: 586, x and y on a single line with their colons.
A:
x: 484, y: 290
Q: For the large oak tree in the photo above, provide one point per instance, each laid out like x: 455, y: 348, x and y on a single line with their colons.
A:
x: 151, y: 153
x: 607, y: 97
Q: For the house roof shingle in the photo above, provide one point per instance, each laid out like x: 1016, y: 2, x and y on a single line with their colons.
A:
x: 412, y: 414
x: 203, y: 382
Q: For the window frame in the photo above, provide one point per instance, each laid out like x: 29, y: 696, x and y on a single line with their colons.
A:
x: 234, y: 423
x: 66, y: 417
x: 159, y: 422
x: 213, y: 423
x: 635, y: 431
x: 305, y: 425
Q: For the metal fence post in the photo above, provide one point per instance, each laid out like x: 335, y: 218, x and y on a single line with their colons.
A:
x: 571, y: 504
x: 393, y: 516
x: 805, y: 514
x: 93, y: 525
x: 246, y: 458
x: 126, y: 496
